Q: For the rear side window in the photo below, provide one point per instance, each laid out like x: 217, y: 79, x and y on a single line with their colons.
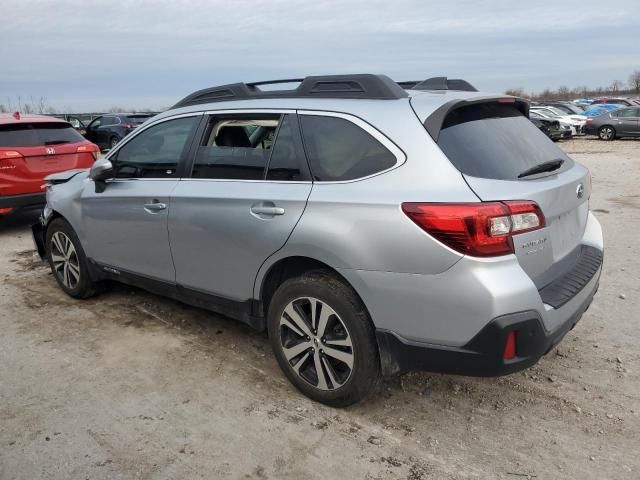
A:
x: 285, y: 164
x: 497, y: 141
x: 236, y: 147
x: 38, y: 134
x: 339, y: 150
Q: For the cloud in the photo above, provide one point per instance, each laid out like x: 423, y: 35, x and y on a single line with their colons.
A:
x: 92, y: 54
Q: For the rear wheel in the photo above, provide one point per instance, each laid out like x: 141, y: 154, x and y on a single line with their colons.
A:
x: 113, y: 142
x: 67, y: 260
x: 323, y: 339
x: 607, y: 133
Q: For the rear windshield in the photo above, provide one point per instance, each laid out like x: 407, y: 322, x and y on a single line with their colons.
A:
x: 38, y: 134
x: 494, y: 140
x: 137, y: 119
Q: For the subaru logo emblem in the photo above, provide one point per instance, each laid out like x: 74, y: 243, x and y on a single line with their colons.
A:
x: 580, y: 190
x: 50, y: 150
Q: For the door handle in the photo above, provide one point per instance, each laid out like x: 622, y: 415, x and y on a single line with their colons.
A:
x: 155, y: 206
x: 266, y: 209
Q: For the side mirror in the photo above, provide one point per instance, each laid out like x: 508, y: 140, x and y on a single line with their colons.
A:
x: 101, y: 170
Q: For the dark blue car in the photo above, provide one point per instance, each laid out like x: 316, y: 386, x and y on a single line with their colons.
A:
x: 107, y: 130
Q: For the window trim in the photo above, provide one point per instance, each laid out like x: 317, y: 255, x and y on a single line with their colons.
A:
x: 182, y: 162
x: 386, y: 142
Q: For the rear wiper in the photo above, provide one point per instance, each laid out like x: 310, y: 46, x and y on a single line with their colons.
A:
x: 548, y: 166
x: 57, y: 142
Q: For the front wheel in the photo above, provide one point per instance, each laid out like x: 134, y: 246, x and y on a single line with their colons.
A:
x: 323, y: 339
x: 606, y: 133
x: 67, y: 260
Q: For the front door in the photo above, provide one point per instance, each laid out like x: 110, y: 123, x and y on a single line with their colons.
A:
x: 248, y: 188
x: 126, y: 218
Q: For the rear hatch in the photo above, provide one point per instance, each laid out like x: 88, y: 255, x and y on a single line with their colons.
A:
x: 503, y: 156
x: 31, y: 151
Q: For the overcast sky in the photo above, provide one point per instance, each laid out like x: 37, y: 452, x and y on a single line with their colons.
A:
x: 93, y: 54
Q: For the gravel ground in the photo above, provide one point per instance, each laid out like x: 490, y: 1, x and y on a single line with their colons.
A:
x: 131, y: 385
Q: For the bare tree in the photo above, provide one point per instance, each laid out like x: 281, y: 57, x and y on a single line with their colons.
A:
x: 616, y: 86
x: 634, y: 81
x: 563, y: 92
x: 516, y: 92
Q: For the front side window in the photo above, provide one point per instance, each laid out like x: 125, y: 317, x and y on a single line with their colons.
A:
x: 95, y: 124
x: 340, y: 150
x: 155, y: 152
x: 236, y: 147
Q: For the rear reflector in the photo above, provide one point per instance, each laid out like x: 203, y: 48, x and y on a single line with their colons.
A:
x: 5, y: 210
x: 510, y: 346
x: 479, y: 229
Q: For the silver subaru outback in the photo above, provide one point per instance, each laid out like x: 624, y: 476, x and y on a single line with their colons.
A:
x: 370, y: 227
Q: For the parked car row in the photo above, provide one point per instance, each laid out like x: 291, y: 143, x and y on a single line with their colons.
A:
x: 561, y: 120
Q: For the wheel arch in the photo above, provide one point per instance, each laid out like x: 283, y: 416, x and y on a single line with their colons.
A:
x: 286, y: 268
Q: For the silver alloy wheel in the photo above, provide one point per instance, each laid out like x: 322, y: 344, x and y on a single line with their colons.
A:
x: 65, y: 260
x: 606, y: 133
x: 316, y: 343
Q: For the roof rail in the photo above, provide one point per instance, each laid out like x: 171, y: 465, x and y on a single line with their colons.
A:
x: 361, y: 86
x: 443, y: 83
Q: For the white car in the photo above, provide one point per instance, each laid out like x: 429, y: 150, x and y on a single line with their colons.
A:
x: 576, y: 122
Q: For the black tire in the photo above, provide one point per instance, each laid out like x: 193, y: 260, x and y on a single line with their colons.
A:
x: 327, y: 289
x: 83, y: 287
x: 607, y: 133
x: 113, y: 141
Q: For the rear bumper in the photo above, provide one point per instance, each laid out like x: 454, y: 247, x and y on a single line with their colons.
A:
x: 483, y: 355
x: 24, y: 200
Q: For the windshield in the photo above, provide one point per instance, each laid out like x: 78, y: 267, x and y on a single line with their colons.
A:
x: 38, y: 134
x: 496, y: 141
x: 557, y: 111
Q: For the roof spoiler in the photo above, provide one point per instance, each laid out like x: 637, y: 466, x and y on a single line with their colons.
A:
x: 434, y: 122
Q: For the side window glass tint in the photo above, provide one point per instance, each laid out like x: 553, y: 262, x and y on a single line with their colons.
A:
x: 156, y: 152
x: 340, y: 150
x: 236, y: 147
x: 285, y: 163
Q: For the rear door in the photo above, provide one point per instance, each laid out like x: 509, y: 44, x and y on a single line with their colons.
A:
x: 626, y: 121
x: 247, y: 190
x: 36, y: 150
x: 497, y: 148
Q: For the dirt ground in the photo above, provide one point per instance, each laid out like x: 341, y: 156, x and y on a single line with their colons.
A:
x: 131, y: 385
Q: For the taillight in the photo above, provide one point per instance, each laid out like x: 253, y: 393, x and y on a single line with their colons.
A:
x: 479, y: 229
x: 90, y: 148
x: 128, y: 125
x: 9, y: 154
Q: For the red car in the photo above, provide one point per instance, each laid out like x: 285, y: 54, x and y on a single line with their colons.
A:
x: 32, y: 147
